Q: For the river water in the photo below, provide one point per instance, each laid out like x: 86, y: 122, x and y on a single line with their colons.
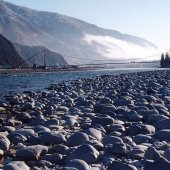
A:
x: 17, y: 83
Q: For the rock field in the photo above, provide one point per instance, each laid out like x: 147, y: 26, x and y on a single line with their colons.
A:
x: 112, y: 122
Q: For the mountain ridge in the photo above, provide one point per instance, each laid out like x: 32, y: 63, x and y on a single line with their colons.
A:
x: 72, y: 18
x: 67, y: 35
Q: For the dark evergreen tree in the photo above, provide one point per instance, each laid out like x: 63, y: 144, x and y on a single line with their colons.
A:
x: 167, y: 60
x: 162, y: 60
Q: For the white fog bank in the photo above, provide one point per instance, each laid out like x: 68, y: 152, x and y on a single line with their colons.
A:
x: 113, y: 48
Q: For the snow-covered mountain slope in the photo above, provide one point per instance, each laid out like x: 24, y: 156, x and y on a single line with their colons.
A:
x: 69, y: 36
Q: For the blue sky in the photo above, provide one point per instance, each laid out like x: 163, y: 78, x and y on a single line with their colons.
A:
x: 148, y: 19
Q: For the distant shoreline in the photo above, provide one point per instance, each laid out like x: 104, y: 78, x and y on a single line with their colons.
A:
x: 20, y: 71
x: 30, y: 70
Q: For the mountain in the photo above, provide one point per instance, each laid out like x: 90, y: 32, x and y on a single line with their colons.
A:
x: 37, y: 55
x: 68, y: 36
x: 8, y: 54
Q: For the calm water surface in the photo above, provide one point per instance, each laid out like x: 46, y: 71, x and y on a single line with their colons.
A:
x: 39, y: 81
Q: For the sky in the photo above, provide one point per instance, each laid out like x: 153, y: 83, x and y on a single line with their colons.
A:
x: 148, y: 19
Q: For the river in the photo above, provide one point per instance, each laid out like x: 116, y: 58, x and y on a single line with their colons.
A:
x: 17, y: 83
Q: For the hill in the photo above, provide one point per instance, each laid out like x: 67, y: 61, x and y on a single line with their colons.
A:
x: 68, y: 36
x: 9, y: 56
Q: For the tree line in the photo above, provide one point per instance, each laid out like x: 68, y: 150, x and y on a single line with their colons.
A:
x: 165, y: 60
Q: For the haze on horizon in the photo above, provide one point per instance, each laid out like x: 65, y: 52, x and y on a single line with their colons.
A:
x: 146, y: 19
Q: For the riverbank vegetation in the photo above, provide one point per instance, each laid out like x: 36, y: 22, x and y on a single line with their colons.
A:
x: 165, y: 60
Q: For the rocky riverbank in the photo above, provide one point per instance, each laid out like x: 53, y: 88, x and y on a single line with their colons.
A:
x: 108, y: 122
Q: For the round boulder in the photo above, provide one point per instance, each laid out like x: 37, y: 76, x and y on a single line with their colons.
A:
x: 119, y: 149
x: 116, y: 165
x: 4, y: 143
x: 31, y: 152
x: 86, y: 153
x: 94, y: 133
x: 78, y: 164
x: 52, y: 138
x: 112, y: 140
x: 103, y: 121
x: 77, y: 138
x: 53, y: 158
x: 16, y: 165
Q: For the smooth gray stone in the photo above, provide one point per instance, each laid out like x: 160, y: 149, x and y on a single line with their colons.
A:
x: 162, y: 124
x: 35, y: 168
x: 16, y: 138
x: 77, y: 138
x: 141, y: 129
x: 147, y: 129
x: 9, y: 129
x: 71, y: 122
x: 25, y: 132
x: 62, y: 149
x: 156, y: 118
x: 1, y: 153
x: 164, y: 112
x: 141, y: 138
x: 104, y: 108
x: 164, y: 134
x: 119, y: 149
x: 151, y: 154
x: 94, y: 133
x: 116, y: 165
x: 123, y: 102
x: 24, y: 117
x: 69, y: 168
x: 53, y: 121
x: 28, y: 106
x: 160, y: 107
x: 31, y: 152
x: 116, y: 127
x: 4, y: 143
x: 53, y: 158
x: 137, y: 153
x: 135, y: 117
x: 167, y: 154
x: 43, y: 163
x: 146, y: 113
x: 103, y: 121
x: 160, y: 164
x: 16, y: 165
x: 112, y: 140
x: 77, y: 163
x: 85, y: 152
x: 41, y: 128
x: 52, y: 138
x: 62, y: 108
